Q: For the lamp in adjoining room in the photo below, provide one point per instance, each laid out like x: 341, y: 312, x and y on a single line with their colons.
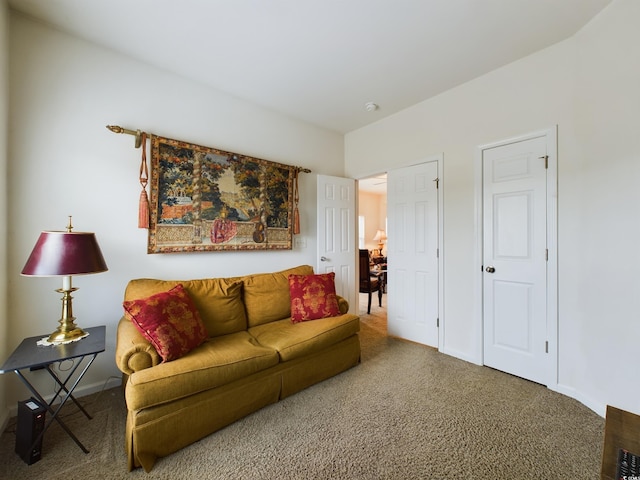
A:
x: 380, y: 237
x: 63, y: 254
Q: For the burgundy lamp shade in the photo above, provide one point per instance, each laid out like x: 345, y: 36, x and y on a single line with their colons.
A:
x: 64, y: 254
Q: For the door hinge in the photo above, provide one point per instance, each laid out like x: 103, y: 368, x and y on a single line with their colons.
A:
x: 546, y: 347
x: 438, y: 322
x: 546, y: 161
x: 546, y: 254
x: 437, y: 253
x: 437, y: 180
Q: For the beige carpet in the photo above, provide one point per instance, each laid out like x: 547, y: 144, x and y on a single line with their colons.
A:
x: 406, y: 412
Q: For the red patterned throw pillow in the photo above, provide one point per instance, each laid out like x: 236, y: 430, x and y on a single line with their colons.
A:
x: 313, y: 297
x: 169, y: 320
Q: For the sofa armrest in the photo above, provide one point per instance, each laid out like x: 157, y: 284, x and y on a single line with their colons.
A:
x: 343, y: 304
x: 133, y: 351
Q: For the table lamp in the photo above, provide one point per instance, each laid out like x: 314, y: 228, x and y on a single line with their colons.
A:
x: 380, y: 237
x: 63, y: 254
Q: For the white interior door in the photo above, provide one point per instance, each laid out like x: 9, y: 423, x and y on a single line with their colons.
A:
x: 515, y: 254
x: 336, y: 234
x: 412, y: 251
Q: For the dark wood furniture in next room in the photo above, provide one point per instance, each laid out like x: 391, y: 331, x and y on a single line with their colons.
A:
x: 368, y: 283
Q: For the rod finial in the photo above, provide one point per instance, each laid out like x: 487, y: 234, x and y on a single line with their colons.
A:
x: 136, y: 133
x: 115, y: 128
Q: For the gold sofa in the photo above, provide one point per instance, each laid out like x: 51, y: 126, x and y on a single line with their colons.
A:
x: 254, y: 356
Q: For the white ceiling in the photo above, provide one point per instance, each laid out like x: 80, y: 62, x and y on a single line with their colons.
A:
x: 321, y: 60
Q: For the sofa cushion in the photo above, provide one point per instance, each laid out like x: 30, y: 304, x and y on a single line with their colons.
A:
x: 294, y: 340
x: 313, y: 297
x: 266, y: 295
x: 219, y: 300
x: 218, y: 361
x: 169, y: 320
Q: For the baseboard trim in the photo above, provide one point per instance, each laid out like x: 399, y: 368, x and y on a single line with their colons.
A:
x: 460, y: 355
x: 571, y: 392
x: 587, y: 401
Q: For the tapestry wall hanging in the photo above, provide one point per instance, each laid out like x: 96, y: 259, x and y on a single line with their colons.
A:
x: 205, y: 199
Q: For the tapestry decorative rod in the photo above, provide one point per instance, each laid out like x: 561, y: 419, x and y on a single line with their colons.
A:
x: 138, y: 135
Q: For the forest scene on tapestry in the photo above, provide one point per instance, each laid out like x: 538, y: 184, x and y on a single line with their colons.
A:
x: 204, y: 199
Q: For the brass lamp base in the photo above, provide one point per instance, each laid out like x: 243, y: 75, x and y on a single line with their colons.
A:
x: 68, y: 331
x: 64, y: 336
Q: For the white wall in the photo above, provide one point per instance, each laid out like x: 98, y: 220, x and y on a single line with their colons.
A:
x: 588, y: 86
x: 64, y: 161
x: 4, y: 106
x: 599, y: 212
x: 373, y: 206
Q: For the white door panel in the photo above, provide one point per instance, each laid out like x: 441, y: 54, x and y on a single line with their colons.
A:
x: 412, y: 246
x: 336, y: 234
x: 515, y: 258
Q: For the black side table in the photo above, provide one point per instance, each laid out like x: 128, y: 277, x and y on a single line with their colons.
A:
x: 30, y: 356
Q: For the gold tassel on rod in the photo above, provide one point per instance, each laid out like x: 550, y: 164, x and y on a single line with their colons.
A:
x: 143, y: 207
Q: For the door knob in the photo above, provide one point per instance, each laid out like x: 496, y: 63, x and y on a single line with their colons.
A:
x: 323, y: 259
x: 490, y: 269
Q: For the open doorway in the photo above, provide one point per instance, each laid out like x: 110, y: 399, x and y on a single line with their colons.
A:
x: 412, y: 216
x: 372, y: 236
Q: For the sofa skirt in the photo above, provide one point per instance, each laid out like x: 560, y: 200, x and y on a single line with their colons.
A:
x: 164, y: 429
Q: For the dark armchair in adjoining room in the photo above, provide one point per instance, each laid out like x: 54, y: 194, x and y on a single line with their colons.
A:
x: 369, y: 283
